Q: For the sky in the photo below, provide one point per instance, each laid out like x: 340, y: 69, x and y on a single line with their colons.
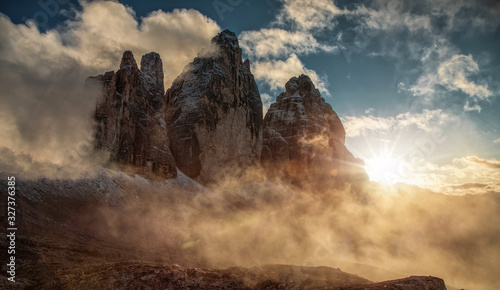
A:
x: 415, y: 83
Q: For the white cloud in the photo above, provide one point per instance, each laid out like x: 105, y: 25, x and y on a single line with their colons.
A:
x: 104, y: 29
x: 307, y: 15
x: 465, y: 175
x: 277, y: 72
x: 177, y: 36
x: 468, y: 107
x: 369, y: 111
x: 455, y: 72
x: 266, y: 102
x: 42, y: 73
x: 276, y: 42
x: 496, y: 141
x: 364, y: 125
x: 390, y: 15
x: 274, y: 50
x: 471, y: 188
x: 397, y: 31
x: 480, y: 162
x: 425, y: 86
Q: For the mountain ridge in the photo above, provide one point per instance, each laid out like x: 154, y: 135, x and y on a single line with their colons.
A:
x: 212, y: 121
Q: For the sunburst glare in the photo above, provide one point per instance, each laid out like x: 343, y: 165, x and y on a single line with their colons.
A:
x: 383, y: 168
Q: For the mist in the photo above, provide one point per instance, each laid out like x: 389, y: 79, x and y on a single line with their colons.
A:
x: 46, y: 114
x: 244, y: 219
x: 377, y: 231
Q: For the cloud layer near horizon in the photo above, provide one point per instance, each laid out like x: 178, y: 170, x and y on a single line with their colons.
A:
x: 44, y: 111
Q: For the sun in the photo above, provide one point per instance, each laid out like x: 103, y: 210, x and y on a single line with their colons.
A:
x: 383, y: 169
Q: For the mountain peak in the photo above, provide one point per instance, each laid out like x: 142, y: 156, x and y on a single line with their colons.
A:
x: 214, y: 113
x: 152, y: 66
x: 128, y: 60
x: 304, y: 138
x: 226, y: 38
x: 129, y: 126
x: 301, y: 86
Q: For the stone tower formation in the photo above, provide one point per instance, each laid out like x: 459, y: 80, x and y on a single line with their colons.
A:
x: 210, y: 121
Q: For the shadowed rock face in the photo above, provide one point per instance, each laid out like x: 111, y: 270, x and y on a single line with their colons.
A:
x: 303, y: 136
x: 128, y: 117
x: 214, y: 112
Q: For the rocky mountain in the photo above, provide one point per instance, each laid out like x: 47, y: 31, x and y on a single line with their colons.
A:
x: 214, y: 112
x: 210, y: 120
x: 129, y: 124
x: 116, y: 229
x: 304, y: 138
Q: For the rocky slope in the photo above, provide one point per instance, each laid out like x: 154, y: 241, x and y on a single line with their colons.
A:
x: 96, y: 240
x: 214, y: 112
x: 304, y: 138
x: 129, y: 123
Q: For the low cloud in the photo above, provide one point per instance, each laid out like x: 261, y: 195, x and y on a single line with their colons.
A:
x: 464, y: 175
x: 309, y: 14
x: 375, y: 231
x: 472, y: 188
x: 391, y: 16
x: 277, y: 72
x: 488, y: 163
x: 45, y: 112
x: 455, y: 75
x: 266, y: 102
x: 368, y: 124
x: 277, y: 42
x: 275, y: 50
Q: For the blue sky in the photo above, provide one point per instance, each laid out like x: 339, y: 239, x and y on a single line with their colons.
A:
x: 416, y: 84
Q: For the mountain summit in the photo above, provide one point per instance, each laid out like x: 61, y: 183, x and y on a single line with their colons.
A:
x: 304, y: 138
x: 214, y: 112
x: 129, y: 125
x: 210, y: 121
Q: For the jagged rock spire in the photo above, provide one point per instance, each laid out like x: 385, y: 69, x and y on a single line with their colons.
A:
x: 129, y: 123
x: 128, y: 60
x: 214, y: 112
x: 304, y: 137
x: 152, y: 67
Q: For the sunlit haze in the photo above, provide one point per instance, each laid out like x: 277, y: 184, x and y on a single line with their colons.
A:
x: 383, y: 169
x: 414, y: 90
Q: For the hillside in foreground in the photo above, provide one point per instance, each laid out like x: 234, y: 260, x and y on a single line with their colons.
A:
x: 115, y: 231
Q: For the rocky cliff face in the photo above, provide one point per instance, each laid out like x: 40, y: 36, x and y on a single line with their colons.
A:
x: 214, y: 112
x: 210, y: 120
x: 129, y: 124
x: 304, y: 137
